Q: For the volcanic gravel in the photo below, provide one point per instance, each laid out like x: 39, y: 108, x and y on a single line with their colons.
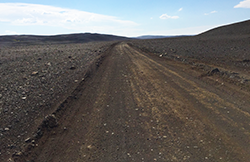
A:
x: 232, y: 51
x: 35, y: 77
x: 230, y: 54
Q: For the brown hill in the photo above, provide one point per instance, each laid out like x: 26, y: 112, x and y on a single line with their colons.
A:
x: 236, y: 29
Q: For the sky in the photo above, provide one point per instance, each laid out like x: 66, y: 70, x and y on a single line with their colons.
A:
x: 129, y: 18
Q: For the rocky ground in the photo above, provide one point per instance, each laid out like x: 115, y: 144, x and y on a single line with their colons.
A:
x: 225, y: 56
x: 137, y: 106
x: 34, y: 80
x: 171, y: 99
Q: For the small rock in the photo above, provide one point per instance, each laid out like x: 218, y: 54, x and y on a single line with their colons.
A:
x: 18, y: 154
x: 6, y: 129
x: 27, y: 140
x: 214, y: 71
x: 24, y: 98
x: 231, y: 76
x: 72, y: 68
x: 1, y: 95
x: 89, y: 147
x: 34, y: 73
x: 173, y: 50
x: 76, y: 81
x: 50, y: 121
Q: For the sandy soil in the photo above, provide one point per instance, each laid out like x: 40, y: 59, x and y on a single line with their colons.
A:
x: 137, y: 106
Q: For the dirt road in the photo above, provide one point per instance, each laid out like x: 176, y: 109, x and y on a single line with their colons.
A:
x: 139, y: 107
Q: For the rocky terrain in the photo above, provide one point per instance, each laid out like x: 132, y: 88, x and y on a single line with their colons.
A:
x: 171, y: 99
x: 34, y: 80
x: 228, y: 52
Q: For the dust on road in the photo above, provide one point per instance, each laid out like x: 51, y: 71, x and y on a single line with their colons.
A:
x: 139, y: 107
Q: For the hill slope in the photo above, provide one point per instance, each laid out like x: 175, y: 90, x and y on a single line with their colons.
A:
x: 237, y: 29
x: 57, y: 39
x: 159, y: 36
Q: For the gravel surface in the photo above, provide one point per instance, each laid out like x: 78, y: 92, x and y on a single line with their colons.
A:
x: 141, y: 107
x: 229, y: 51
x: 230, y: 54
x: 35, y: 77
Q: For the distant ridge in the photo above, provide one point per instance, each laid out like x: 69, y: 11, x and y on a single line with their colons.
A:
x: 159, y: 36
x: 240, y: 28
x: 150, y: 37
x: 57, y: 39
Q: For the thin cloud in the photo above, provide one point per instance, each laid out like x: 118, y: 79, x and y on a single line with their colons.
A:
x: 243, y: 4
x: 212, y: 12
x: 23, y: 14
x: 9, y: 32
x: 165, y: 16
x: 180, y: 9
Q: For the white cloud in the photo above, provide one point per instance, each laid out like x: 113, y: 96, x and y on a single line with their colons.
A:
x: 23, y: 14
x: 9, y: 32
x: 212, y: 12
x: 180, y: 9
x: 165, y: 16
x: 243, y: 4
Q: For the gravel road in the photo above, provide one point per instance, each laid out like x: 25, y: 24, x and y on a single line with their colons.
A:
x: 136, y: 106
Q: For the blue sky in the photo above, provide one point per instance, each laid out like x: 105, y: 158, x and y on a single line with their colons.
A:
x: 125, y: 18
